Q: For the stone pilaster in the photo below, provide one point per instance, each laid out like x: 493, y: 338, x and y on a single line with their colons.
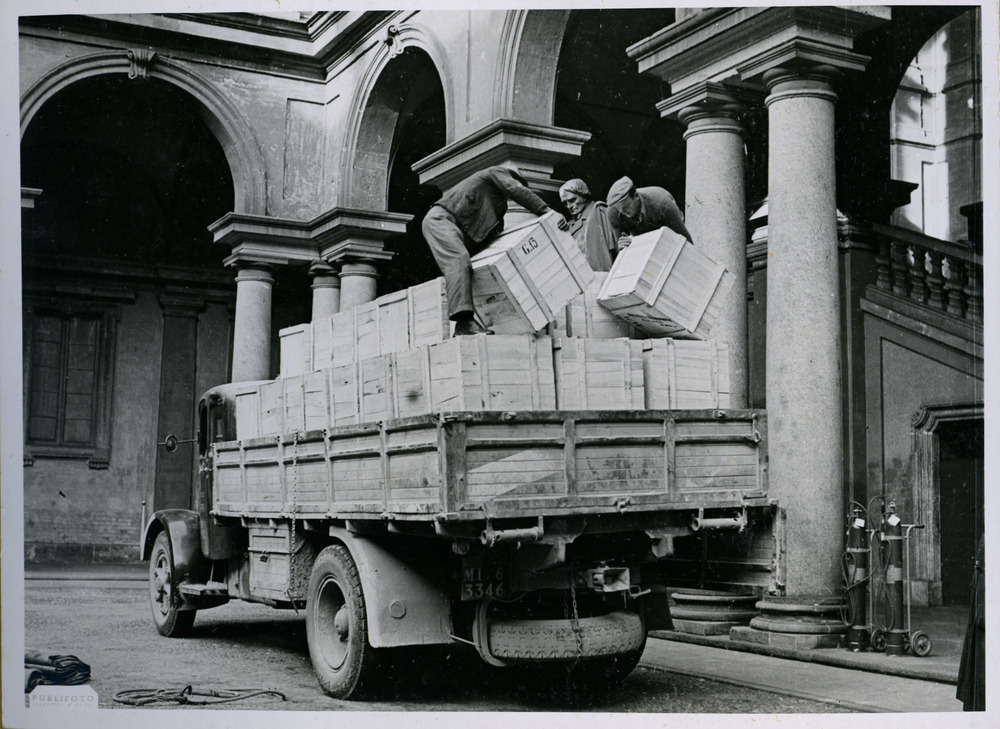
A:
x: 177, y: 393
x: 326, y: 290
x: 252, y: 328
x: 803, y: 351
x: 715, y: 213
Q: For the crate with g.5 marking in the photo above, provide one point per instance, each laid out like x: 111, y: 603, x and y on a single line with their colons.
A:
x: 523, y: 281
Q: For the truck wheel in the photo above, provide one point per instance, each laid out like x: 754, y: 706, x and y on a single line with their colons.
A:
x: 337, y: 627
x: 164, y: 597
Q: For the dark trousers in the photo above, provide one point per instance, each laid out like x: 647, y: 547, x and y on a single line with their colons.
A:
x: 453, y: 252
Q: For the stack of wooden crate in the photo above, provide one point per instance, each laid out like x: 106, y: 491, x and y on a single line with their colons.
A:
x: 565, y: 340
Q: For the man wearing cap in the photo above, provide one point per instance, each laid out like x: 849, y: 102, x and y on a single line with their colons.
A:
x: 463, y: 222
x: 589, y: 224
x: 633, y: 212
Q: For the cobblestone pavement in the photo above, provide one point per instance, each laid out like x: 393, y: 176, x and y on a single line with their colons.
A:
x: 243, y: 645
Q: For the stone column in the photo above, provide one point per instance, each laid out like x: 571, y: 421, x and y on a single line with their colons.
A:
x: 252, y: 329
x: 358, y: 283
x: 804, y: 386
x: 326, y: 290
x: 715, y: 213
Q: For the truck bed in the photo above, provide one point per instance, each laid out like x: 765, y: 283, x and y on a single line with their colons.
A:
x: 474, y: 465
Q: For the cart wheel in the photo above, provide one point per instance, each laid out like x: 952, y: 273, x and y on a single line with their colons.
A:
x: 878, y: 640
x: 920, y: 644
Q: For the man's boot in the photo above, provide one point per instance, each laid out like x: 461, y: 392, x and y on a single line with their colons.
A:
x: 469, y: 325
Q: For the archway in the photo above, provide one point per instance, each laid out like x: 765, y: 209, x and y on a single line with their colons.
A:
x: 129, y: 172
x: 403, y: 121
x: 123, y: 285
x: 936, y: 131
x: 864, y: 191
x: 599, y: 90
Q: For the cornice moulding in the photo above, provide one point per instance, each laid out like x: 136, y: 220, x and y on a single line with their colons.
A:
x: 712, y: 45
x: 500, y: 142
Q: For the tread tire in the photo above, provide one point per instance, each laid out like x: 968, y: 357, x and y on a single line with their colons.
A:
x: 555, y: 640
x: 164, y: 597
x: 345, y: 663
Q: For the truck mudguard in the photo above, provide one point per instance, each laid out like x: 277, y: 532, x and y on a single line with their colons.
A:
x: 403, y: 607
x: 182, y: 526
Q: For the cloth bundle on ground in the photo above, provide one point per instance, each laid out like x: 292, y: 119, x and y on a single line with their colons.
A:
x: 53, y: 670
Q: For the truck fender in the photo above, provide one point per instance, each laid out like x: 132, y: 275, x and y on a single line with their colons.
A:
x: 402, y: 606
x: 183, y: 529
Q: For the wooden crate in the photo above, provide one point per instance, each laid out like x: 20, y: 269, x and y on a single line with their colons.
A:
x: 666, y: 286
x: 295, y: 350
x: 598, y: 374
x: 306, y: 402
x: 272, y: 408
x: 500, y: 372
x: 583, y: 316
x: 685, y: 374
x: 527, y: 275
x: 249, y: 411
x: 359, y: 392
x: 343, y: 389
x: 391, y: 323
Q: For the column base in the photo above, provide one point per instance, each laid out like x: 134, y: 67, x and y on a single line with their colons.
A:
x: 788, y: 641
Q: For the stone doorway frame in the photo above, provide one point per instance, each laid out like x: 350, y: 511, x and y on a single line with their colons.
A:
x: 925, y: 572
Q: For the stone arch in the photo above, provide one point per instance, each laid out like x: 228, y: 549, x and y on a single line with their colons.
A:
x: 370, y: 136
x: 234, y: 135
x: 864, y: 119
x: 530, y: 43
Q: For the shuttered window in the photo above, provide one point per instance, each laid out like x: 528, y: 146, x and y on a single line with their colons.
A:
x: 67, y: 383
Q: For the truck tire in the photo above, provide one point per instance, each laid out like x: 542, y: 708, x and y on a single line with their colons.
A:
x: 337, y: 627
x: 556, y: 640
x: 164, y: 597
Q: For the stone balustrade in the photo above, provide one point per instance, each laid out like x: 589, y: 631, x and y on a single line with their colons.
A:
x: 942, y: 275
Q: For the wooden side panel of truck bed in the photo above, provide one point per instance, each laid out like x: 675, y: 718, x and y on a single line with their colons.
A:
x: 476, y: 464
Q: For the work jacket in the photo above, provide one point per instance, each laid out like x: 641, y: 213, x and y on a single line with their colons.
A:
x: 479, y: 202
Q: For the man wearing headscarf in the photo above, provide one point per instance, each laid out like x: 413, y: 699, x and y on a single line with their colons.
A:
x: 635, y: 211
x: 463, y: 222
x: 589, y: 224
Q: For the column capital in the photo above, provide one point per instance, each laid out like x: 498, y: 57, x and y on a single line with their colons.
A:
x: 320, y: 270
x: 358, y: 268
x: 533, y: 149
x: 809, y: 79
x: 281, y: 242
x: 253, y: 271
x: 711, y: 119
x: 708, y: 97
x: 356, y: 251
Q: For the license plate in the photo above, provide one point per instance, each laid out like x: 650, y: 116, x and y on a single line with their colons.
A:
x: 484, y: 578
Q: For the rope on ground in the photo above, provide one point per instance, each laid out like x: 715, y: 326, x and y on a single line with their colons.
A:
x: 189, y: 695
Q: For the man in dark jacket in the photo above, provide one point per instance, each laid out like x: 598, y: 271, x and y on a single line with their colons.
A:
x: 635, y: 211
x: 463, y: 222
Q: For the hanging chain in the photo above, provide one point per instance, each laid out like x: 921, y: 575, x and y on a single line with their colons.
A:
x: 291, y: 545
x: 576, y: 618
